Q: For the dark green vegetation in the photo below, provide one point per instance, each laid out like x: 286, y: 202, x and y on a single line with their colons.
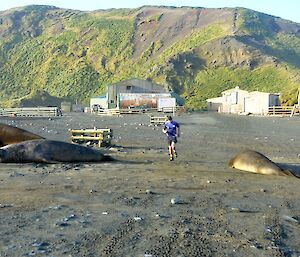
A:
x: 58, y: 54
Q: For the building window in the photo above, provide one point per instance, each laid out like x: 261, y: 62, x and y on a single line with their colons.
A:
x: 234, y: 98
x: 112, y: 101
x: 128, y: 88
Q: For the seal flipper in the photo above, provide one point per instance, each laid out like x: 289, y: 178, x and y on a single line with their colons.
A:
x: 3, y: 155
x: 290, y: 173
x: 107, y: 158
x: 45, y: 160
x: 230, y: 163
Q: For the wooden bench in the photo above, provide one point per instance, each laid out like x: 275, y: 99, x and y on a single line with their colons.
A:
x: 158, y: 120
x: 102, y: 137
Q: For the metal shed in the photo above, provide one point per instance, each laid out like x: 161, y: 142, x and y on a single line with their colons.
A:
x: 131, y: 87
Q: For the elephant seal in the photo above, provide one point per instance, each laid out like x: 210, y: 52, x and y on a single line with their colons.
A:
x: 256, y: 162
x: 49, y: 151
x: 11, y: 135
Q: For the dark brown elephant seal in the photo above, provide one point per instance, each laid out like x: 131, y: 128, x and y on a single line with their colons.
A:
x: 11, y: 135
x: 256, y: 162
x: 49, y: 151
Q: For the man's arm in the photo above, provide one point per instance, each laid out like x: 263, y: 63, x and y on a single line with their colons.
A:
x: 178, y: 131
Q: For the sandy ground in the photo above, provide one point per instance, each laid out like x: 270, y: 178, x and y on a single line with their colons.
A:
x: 124, y: 208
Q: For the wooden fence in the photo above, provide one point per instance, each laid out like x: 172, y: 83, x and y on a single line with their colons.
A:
x: 132, y: 111
x: 117, y: 111
x: 101, y: 137
x: 169, y: 110
x: 108, y: 112
x: 30, y: 112
x: 284, y: 110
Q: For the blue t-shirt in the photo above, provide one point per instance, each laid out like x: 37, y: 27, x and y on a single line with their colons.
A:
x: 171, y: 128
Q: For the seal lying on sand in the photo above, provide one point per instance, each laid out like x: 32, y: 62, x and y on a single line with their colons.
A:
x: 49, y: 151
x: 12, y: 135
x: 256, y: 162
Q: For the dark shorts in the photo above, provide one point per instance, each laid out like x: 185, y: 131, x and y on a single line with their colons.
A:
x: 171, y: 139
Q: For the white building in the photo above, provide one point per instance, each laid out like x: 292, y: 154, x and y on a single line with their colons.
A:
x: 241, y: 101
x: 99, y: 102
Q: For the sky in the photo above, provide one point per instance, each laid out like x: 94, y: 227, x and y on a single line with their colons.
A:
x: 286, y: 9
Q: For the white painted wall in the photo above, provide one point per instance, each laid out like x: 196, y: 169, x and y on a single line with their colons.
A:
x: 101, y: 101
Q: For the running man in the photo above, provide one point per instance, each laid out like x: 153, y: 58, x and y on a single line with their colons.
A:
x: 172, y: 130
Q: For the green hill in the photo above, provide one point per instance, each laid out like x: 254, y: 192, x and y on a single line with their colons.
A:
x: 197, y: 52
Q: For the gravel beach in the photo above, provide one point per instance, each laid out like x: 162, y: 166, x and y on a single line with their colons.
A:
x: 142, y: 205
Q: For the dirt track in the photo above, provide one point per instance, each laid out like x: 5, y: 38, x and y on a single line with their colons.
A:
x: 124, y: 208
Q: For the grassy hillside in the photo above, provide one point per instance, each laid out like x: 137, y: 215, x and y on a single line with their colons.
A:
x: 198, y: 53
x: 66, y: 59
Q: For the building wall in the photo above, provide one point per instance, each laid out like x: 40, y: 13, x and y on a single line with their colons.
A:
x: 140, y: 99
x: 101, y: 101
x: 131, y: 86
x: 215, y: 104
x: 216, y: 107
x: 138, y: 86
x: 166, y: 103
x: 259, y: 102
x: 233, y: 100
x: 66, y: 106
x: 111, y: 97
x: 238, y: 101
